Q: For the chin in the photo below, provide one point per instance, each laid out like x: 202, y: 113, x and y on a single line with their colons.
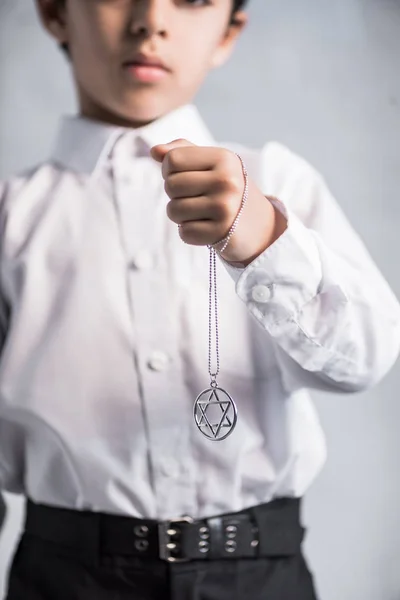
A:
x: 132, y: 116
x: 148, y: 106
x: 130, y: 108
x: 143, y: 117
x: 146, y: 114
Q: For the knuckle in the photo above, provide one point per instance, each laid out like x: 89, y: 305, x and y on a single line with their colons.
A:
x: 169, y: 186
x: 171, y: 212
x: 228, y: 160
x: 222, y: 181
x: 235, y: 184
x: 185, y: 234
x: 221, y: 211
x: 228, y: 184
x: 174, y: 157
x: 190, y: 235
x: 229, y: 178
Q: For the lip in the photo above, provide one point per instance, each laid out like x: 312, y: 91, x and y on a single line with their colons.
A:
x: 146, y: 68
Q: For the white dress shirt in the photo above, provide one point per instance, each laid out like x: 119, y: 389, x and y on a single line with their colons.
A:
x: 104, y: 321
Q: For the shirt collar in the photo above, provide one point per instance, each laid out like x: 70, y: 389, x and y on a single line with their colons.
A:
x: 83, y: 145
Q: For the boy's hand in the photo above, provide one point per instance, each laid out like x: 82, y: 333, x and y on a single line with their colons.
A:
x: 206, y: 187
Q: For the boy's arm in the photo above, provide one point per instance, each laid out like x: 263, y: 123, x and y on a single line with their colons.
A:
x: 318, y: 294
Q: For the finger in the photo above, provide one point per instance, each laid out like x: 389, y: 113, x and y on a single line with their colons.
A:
x: 193, y: 209
x: 189, y: 158
x: 187, y: 184
x: 200, y: 233
x: 161, y: 150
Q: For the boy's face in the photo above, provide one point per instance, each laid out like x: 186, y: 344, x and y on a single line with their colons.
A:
x: 116, y: 45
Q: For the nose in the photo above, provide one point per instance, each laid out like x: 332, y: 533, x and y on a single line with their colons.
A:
x: 149, y: 18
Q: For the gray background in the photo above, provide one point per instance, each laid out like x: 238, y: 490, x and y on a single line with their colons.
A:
x: 321, y: 76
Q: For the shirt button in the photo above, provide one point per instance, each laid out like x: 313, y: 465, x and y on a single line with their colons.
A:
x: 143, y: 261
x: 158, y: 361
x: 261, y: 293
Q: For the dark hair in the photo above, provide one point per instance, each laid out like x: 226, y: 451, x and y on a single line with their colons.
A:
x: 239, y: 4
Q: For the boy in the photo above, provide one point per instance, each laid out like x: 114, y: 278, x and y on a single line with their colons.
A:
x: 105, y: 320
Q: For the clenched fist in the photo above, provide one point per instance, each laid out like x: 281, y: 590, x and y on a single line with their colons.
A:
x: 206, y: 187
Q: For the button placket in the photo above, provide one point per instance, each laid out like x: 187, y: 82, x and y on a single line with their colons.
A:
x: 162, y: 384
x: 163, y: 389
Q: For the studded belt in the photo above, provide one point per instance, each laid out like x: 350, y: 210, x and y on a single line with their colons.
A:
x: 271, y: 529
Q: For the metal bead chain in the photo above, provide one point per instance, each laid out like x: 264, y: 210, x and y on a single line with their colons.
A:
x: 213, y: 296
x: 232, y: 230
x: 213, y: 292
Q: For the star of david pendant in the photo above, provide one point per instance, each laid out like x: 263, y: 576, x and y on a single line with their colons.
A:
x: 215, y: 414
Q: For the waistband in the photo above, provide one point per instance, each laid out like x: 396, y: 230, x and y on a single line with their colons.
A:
x: 267, y: 530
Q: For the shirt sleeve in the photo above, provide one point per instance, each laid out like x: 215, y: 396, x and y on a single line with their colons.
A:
x: 319, y: 295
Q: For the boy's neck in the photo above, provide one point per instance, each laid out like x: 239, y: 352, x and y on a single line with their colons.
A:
x: 108, y: 118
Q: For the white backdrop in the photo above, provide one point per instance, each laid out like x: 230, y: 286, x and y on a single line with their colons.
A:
x: 323, y: 77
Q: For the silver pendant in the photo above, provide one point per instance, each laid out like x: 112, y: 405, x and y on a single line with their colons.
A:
x: 215, y: 414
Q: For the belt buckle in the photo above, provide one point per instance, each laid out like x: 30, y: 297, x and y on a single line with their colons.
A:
x: 166, y: 532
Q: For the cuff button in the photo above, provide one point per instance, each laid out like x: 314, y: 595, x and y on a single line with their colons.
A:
x: 261, y: 293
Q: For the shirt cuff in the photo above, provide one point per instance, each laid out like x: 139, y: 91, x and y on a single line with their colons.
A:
x: 284, y: 278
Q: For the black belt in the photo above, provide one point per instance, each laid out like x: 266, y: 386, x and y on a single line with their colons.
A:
x: 269, y: 530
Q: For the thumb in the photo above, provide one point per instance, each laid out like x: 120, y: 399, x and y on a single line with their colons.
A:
x: 159, y: 152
